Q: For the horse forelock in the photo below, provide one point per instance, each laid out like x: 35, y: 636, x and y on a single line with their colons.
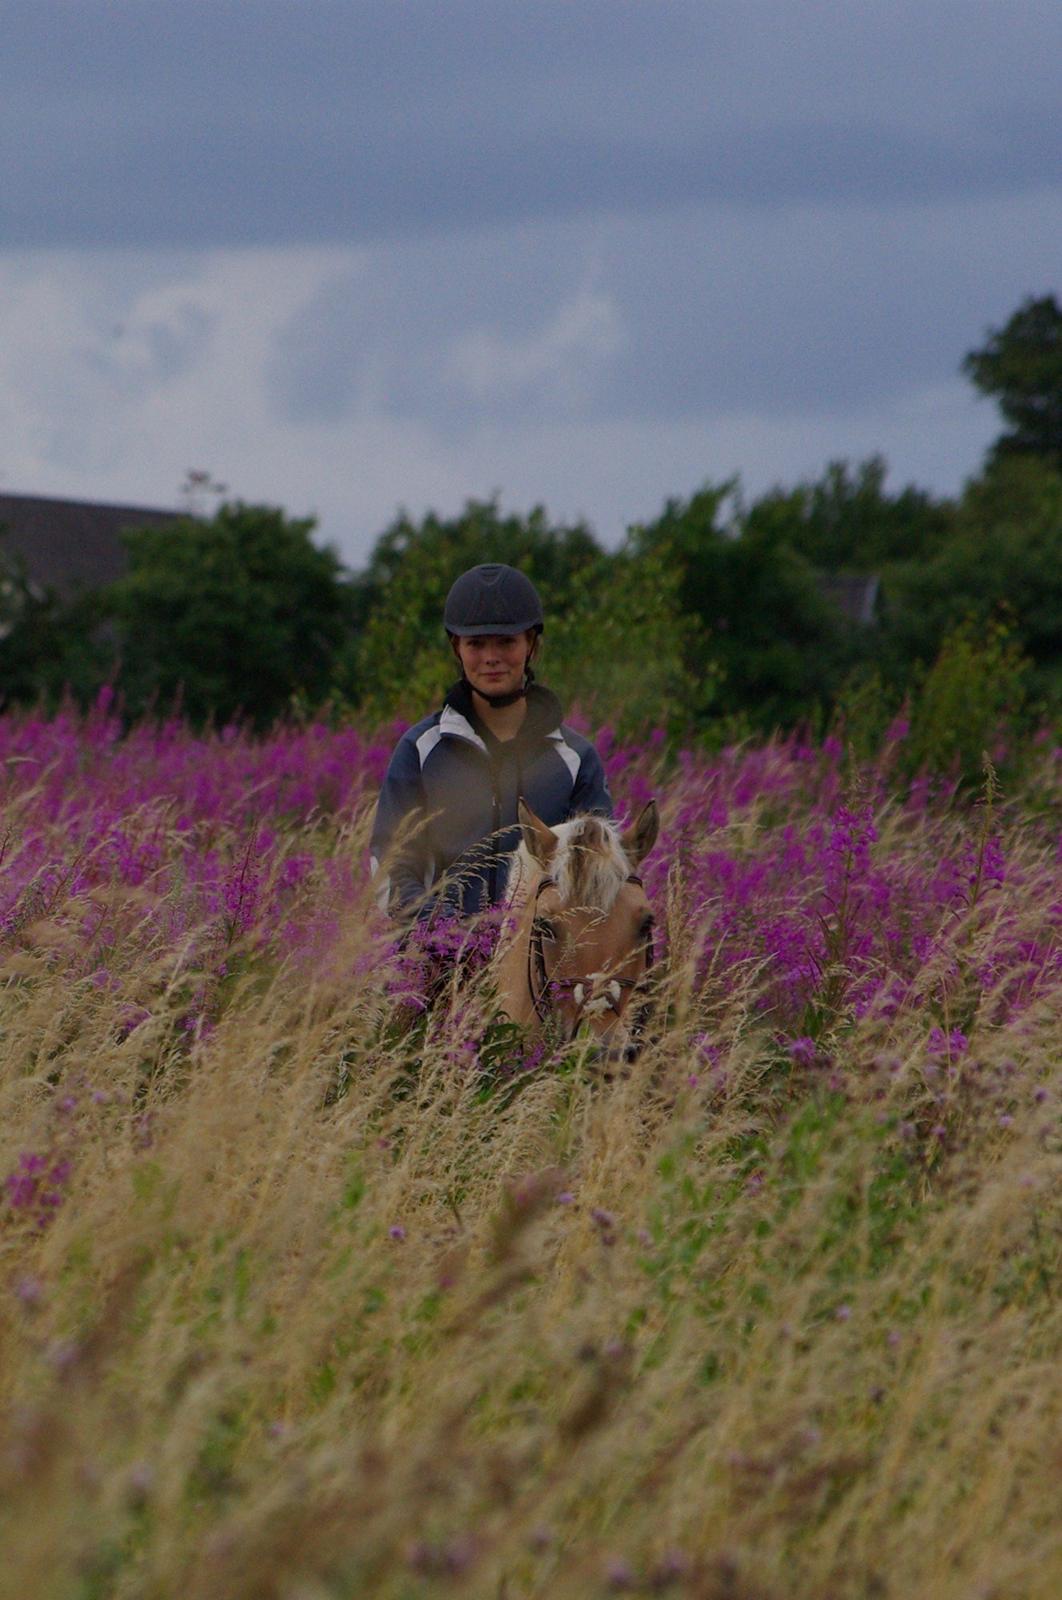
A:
x: 590, y: 864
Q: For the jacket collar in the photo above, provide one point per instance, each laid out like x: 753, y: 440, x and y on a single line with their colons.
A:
x: 453, y: 723
x: 458, y: 717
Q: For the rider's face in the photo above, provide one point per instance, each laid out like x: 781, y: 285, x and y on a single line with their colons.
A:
x: 494, y: 663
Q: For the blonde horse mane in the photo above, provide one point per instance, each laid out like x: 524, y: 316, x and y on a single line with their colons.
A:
x: 589, y: 865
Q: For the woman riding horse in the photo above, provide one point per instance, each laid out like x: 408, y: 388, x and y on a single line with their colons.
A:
x: 447, y: 817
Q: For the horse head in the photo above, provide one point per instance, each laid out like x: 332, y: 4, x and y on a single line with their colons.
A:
x: 584, y: 941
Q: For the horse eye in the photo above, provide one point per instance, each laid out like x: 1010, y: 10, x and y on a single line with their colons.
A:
x: 646, y: 927
x: 545, y: 928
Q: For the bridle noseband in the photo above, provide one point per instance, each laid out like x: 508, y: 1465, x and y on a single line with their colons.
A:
x: 536, y: 969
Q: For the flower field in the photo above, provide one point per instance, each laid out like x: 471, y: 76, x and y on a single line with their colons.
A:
x: 312, y: 1289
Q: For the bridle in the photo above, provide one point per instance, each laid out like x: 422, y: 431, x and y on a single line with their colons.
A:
x: 540, y: 984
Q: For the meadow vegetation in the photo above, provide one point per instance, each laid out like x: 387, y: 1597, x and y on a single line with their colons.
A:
x: 312, y: 1289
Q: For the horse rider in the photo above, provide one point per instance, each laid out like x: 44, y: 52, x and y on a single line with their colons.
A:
x: 447, y: 812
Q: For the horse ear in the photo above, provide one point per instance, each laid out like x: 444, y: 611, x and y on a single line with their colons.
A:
x: 640, y: 837
x: 541, y: 841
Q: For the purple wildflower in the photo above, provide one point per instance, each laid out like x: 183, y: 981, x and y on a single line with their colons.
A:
x: 671, y: 1568
x: 945, y: 1046
x: 38, y: 1185
x: 804, y: 1051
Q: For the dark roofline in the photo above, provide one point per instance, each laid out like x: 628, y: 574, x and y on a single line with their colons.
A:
x: 70, y: 545
x: 119, y: 508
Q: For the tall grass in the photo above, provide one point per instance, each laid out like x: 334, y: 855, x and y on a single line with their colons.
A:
x: 306, y: 1292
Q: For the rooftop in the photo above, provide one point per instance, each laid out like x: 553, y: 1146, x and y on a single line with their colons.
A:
x: 69, y: 545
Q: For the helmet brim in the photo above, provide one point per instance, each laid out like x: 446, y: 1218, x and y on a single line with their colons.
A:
x: 486, y: 630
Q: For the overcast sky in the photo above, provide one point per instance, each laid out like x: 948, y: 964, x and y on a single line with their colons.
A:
x: 352, y: 255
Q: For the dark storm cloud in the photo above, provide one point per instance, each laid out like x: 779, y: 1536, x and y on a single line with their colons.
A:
x: 184, y: 124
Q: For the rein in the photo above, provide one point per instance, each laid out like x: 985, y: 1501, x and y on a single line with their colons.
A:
x: 536, y: 967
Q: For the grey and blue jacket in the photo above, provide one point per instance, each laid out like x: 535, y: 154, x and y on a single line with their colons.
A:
x: 447, y: 812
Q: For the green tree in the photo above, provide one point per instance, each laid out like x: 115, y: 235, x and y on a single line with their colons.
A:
x: 1020, y: 366
x: 233, y: 616
x: 778, y: 646
x: 627, y: 652
x: 50, y: 646
x: 972, y: 697
x: 1003, y: 561
x: 847, y: 522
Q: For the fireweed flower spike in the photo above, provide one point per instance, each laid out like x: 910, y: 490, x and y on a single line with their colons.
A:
x: 829, y: 911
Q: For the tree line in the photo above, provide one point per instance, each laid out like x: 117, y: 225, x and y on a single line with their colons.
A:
x: 713, y: 620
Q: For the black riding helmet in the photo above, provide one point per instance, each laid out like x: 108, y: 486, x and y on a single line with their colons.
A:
x: 492, y: 598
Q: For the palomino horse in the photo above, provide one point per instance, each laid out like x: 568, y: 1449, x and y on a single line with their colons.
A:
x: 584, y: 937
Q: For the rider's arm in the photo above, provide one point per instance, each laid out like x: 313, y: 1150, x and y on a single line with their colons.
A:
x: 591, y: 790
x: 399, y: 852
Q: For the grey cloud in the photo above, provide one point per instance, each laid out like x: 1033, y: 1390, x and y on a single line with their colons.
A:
x: 801, y: 313
x: 242, y: 187
x: 378, y: 336
x: 169, y: 125
x: 134, y: 358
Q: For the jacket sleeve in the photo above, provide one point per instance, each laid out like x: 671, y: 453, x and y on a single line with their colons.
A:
x: 403, y: 872
x: 591, y: 790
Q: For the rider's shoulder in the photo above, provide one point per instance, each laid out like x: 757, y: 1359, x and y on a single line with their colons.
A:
x: 577, y: 741
x: 413, y: 733
x: 410, y: 746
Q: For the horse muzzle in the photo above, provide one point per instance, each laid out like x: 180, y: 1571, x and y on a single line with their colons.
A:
x: 592, y: 1001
